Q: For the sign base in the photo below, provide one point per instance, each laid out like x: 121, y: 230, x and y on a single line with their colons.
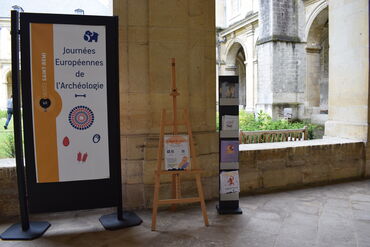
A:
x: 15, y: 232
x: 111, y: 221
x: 229, y: 210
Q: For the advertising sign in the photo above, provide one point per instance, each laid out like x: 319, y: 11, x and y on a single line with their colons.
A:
x: 70, y: 94
x: 176, y: 152
x: 69, y: 101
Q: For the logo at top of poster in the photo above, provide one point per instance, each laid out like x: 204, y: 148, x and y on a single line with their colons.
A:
x: 81, y: 117
x: 91, y: 36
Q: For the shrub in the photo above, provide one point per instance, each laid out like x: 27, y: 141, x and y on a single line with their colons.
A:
x: 247, y: 121
x: 8, y: 146
x: 263, y: 121
x: 3, y: 114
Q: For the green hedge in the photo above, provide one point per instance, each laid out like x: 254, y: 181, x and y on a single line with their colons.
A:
x: 8, y: 146
x: 263, y: 121
x: 3, y: 114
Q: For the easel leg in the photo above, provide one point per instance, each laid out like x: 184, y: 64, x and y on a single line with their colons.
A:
x: 155, y: 201
x: 174, y: 189
x: 201, y: 196
x: 178, y: 187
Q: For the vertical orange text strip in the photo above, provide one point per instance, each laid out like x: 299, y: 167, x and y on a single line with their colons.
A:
x: 44, y: 119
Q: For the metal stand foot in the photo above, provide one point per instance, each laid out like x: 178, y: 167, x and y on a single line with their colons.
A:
x: 112, y: 222
x: 35, y: 230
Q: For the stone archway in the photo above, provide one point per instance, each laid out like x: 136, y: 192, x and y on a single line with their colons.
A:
x: 317, y: 51
x: 235, y: 62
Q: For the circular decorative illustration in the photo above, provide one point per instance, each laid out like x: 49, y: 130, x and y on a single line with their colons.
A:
x: 81, y: 117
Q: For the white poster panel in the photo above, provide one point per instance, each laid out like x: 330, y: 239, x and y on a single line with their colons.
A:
x: 69, y: 99
x: 176, y: 152
x: 80, y: 80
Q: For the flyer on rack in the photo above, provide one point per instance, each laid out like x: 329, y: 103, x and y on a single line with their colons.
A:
x: 229, y: 90
x: 229, y: 182
x: 176, y: 152
x: 229, y: 151
x: 230, y: 122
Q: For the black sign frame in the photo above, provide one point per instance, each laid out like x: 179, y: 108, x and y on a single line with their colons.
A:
x: 74, y: 195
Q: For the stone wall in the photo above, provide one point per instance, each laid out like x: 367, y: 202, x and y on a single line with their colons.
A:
x: 281, y: 77
x: 8, y: 192
x: 265, y: 10
x: 287, y: 66
x: 293, y: 167
x: 264, y: 73
x: 280, y: 20
x: 261, y: 170
x: 285, y: 18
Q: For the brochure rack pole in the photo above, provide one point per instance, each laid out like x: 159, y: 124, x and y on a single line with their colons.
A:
x: 25, y: 230
x: 228, y: 105
x: 176, y: 184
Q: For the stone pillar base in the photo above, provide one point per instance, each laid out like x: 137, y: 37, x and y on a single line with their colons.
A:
x: 346, y: 130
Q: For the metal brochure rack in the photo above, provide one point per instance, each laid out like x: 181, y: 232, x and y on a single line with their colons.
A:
x: 228, y: 106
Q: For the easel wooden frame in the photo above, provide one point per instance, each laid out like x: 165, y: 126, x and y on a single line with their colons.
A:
x: 176, y: 182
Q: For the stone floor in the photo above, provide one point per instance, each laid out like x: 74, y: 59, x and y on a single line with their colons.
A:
x: 330, y: 216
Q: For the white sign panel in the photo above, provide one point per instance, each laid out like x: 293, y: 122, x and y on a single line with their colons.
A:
x: 176, y: 152
x: 69, y: 92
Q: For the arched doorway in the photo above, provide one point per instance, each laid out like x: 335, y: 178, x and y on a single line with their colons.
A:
x: 235, y: 62
x: 317, y: 51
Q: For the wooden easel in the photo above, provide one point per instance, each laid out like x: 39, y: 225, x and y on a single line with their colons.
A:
x: 176, y: 183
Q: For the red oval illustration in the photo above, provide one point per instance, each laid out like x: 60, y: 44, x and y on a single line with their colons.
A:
x: 66, y: 141
x: 84, y: 157
x: 79, y: 155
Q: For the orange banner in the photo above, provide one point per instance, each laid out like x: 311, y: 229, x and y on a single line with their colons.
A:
x: 47, y: 103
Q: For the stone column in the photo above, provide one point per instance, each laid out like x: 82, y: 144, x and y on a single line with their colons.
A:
x: 280, y: 57
x: 151, y: 33
x: 348, y: 69
x: 249, y: 67
x: 134, y: 95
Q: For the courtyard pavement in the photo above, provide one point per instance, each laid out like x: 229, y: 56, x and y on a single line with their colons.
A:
x: 329, y: 216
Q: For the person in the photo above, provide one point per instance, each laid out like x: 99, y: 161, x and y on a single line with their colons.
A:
x: 10, y: 112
